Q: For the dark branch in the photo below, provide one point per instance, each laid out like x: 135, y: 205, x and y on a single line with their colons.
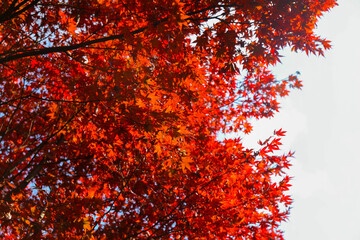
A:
x: 43, y: 51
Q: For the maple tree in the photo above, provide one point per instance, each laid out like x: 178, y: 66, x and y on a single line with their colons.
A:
x: 110, y: 112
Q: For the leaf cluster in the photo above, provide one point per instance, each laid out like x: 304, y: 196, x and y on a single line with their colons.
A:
x: 110, y: 111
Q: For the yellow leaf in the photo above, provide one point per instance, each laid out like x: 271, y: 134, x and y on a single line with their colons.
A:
x: 33, y: 209
x: 153, y: 98
x: 86, y: 224
x: 158, y: 148
x: 169, y: 109
x: 140, y: 103
x: 185, y: 163
x: 91, y: 192
x: 53, y: 110
x: 72, y: 26
x: 10, y: 184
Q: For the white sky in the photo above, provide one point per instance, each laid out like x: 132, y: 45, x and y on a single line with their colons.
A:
x: 323, y: 124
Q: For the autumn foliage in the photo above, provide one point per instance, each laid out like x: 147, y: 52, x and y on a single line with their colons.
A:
x: 110, y: 113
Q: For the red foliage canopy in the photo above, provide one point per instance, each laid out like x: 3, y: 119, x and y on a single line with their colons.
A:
x: 110, y: 111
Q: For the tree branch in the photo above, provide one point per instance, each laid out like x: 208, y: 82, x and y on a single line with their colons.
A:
x: 43, y: 51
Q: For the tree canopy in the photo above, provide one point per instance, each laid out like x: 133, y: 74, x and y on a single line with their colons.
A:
x: 110, y: 113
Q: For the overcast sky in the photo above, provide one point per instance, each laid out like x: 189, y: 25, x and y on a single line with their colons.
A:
x: 323, y: 124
